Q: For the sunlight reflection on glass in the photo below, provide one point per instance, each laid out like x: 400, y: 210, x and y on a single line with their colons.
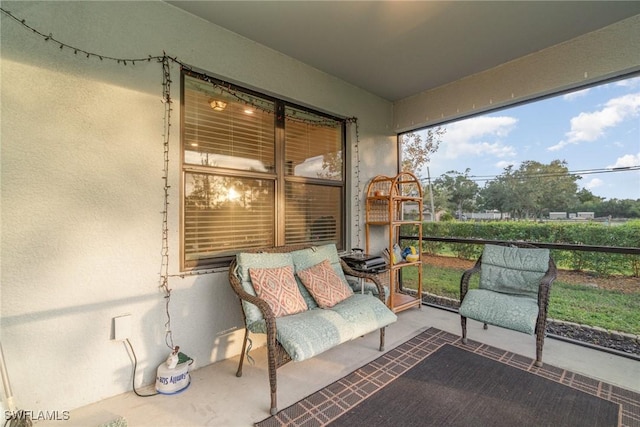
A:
x: 232, y: 194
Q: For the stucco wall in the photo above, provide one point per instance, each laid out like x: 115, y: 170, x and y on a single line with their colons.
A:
x: 82, y: 195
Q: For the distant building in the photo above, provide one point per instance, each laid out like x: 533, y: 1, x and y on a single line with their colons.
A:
x: 557, y: 215
x: 572, y: 215
x: 585, y: 215
x: 486, y: 215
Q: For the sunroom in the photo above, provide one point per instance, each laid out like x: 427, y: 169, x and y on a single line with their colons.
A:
x: 101, y: 173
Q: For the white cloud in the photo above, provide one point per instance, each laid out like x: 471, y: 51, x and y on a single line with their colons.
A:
x: 634, y: 82
x: 505, y: 163
x: 594, y: 183
x: 574, y: 95
x: 558, y: 146
x: 479, y: 136
x: 587, y: 127
x: 626, y: 161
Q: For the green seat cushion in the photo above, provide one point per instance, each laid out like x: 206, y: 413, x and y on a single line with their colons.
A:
x: 514, y: 312
x: 513, y: 270
x: 309, y: 333
x: 365, y: 313
x: 312, y: 332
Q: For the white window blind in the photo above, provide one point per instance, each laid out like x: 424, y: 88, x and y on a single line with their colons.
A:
x: 239, y: 136
x: 313, y: 146
x: 313, y: 213
x: 223, y: 215
x: 246, y: 184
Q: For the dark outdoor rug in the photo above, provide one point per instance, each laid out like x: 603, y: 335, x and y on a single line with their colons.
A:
x: 433, y: 379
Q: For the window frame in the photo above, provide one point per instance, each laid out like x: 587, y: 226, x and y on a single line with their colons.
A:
x: 278, y: 176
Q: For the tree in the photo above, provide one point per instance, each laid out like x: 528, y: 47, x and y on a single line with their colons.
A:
x: 415, y: 153
x: 586, y: 196
x: 461, y: 191
x: 495, y: 196
x: 559, y: 186
x: 616, y: 208
x: 531, y: 190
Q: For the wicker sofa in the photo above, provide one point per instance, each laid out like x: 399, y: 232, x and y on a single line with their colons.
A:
x: 314, y: 329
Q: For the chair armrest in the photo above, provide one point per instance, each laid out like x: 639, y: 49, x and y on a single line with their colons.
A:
x: 466, y: 277
x: 262, y: 305
x: 544, y: 289
x: 373, y: 277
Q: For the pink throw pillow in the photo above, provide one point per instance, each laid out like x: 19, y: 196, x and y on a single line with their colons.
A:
x: 324, y: 285
x: 278, y: 287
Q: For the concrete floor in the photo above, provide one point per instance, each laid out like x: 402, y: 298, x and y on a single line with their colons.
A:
x: 216, y: 397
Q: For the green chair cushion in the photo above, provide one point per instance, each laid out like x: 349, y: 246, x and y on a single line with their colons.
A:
x: 309, y: 333
x: 513, y: 270
x: 312, y: 332
x: 505, y: 310
x: 365, y: 313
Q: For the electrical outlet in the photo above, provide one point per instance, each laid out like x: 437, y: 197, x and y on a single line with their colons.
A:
x: 122, y: 327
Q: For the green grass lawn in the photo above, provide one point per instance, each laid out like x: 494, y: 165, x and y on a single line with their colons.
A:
x: 612, y: 310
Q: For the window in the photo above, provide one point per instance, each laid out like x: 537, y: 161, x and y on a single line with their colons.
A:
x: 257, y: 171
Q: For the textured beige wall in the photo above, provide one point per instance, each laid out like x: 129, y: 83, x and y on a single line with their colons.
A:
x: 609, y: 52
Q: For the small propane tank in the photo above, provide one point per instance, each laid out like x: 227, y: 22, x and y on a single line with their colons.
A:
x: 173, y: 374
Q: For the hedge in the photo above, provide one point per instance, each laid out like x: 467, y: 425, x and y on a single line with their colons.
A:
x: 586, y: 233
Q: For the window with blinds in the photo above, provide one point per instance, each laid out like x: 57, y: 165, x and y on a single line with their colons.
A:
x: 257, y: 172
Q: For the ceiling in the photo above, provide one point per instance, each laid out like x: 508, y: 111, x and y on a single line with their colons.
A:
x: 396, y: 49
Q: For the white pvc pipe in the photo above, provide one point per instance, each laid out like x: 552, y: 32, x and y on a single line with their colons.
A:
x: 8, y: 394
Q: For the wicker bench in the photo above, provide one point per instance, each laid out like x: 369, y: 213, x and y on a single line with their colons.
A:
x: 313, y: 329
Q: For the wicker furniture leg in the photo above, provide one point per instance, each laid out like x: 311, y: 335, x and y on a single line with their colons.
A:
x: 242, y: 353
x: 463, y: 322
x: 272, y: 348
x: 539, y: 344
x: 541, y: 327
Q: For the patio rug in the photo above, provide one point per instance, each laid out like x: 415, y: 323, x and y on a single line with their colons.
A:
x: 433, y: 379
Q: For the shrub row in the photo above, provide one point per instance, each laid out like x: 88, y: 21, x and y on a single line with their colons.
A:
x: 587, y: 233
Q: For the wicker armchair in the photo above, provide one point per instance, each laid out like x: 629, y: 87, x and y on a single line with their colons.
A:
x: 276, y: 354
x: 515, y: 282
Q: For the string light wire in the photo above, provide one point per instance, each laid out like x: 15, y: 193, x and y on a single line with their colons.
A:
x: 358, y: 183
x: 164, y: 266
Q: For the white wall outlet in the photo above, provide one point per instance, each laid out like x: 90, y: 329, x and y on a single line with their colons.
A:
x: 122, y: 327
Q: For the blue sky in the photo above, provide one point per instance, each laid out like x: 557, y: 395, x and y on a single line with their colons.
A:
x: 591, y: 129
